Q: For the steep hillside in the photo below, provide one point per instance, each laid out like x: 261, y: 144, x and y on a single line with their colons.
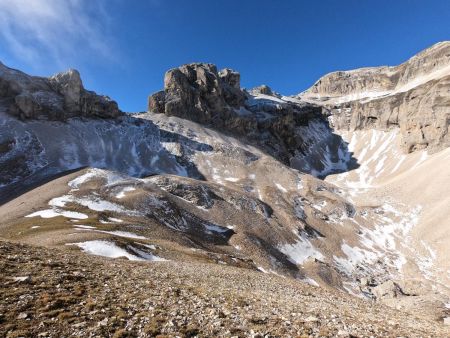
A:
x: 395, y: 121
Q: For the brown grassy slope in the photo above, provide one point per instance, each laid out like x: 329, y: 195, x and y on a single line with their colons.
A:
x: 68, y: 293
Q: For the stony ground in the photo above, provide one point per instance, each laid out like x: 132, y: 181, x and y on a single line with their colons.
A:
x: 48, y: 292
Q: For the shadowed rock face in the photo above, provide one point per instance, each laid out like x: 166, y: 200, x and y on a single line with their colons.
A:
x: 413, y: 96
x: 59, y: 97
x: 198, y: 92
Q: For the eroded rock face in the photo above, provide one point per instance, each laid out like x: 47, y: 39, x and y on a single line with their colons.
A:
x: 263, y: 89
x: 198, y: 92
x: 56, y: 98
x: 70, y: 86
x: 413, y: 96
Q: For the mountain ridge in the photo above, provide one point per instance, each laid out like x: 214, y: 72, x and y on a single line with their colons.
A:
x: 410, y: 96
x: 305, y: 188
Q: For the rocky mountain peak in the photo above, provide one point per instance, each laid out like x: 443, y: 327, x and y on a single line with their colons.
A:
x: 59, y: 97
x: 68, y: 84
x: 231, y: 77
x: 410, y: 96
x: 200, y: 93
x: 263, y: 89
x: 360, y: 82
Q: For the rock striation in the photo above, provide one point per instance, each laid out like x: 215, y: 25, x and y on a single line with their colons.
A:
x: 59, y: 97
x: 413, y: 96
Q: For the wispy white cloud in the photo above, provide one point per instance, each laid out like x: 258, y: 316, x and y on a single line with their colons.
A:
x: 59, y: 32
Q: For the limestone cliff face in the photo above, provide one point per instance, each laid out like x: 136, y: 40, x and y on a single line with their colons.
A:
x: 56, y: 98
x: 200, y: 93
x: 414, y: 96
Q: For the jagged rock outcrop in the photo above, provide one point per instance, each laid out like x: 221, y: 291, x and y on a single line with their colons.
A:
x: 413, y: 96
x: 59, y: 97
x: 202, y: 94
x: 263, y: 89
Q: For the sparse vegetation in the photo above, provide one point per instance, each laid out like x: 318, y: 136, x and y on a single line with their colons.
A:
x: 69, y: 293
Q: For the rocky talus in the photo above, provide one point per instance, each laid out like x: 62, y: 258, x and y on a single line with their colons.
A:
x: 54, y: 293
x: 413, y: 96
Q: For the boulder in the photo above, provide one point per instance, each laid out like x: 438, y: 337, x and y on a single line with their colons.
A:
x: 388, y: 289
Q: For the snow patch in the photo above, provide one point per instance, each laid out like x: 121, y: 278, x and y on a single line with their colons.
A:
x: 300, y: 251
x: 106, y: 249
x: 281, y: 188
x: 310, y: 281
x: 121, y: 194
x: 215, y: 228
x: 125, y: 234
x: 91, y: 173
x: 84, y: 226
x: 50, y: 213
x: 145, y: 255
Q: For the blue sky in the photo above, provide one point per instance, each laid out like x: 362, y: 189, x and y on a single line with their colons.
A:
x: 123, y: 47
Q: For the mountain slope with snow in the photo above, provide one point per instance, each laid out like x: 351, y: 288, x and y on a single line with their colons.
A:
x: 344, y: 187
x: 413, y: 96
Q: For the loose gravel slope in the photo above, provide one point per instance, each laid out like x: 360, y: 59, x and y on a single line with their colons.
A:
x: 48, y: 292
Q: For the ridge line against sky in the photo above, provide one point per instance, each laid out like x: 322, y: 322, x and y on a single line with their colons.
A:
x: 123, y: 48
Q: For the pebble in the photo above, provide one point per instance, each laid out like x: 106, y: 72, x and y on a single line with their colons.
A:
x: 22, y: 315
x: 311, y: 319
x: 22, y: 279
x: 103, y: 322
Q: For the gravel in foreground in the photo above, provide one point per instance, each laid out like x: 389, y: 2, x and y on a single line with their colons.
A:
x: 48, y: 292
